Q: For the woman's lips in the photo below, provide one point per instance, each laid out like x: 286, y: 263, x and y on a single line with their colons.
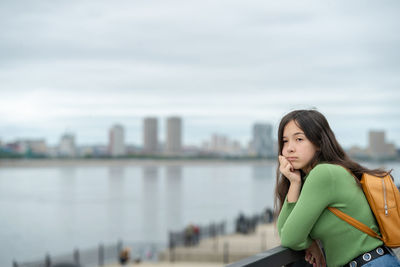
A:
x: 291, y: 158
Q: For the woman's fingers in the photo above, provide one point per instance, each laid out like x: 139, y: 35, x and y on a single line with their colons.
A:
x: 307, y: 256
x: 320, y: 261
x: 323, y: 262
x: 285, y: 164
x: 286, y: 168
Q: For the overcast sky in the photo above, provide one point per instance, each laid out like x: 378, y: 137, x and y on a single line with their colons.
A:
x: 81, y: 66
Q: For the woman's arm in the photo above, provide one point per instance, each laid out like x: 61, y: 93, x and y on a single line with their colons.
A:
x: 294, y: 192
x: 298, y: 218
x: 293, y: 176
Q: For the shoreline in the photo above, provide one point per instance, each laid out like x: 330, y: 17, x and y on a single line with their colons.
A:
x: 32, y: 163
x: 125, y: 162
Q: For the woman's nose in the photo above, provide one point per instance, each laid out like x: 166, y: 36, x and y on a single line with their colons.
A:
x: 290, y: 147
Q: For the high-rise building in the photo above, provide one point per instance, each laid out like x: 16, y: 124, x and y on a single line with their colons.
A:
x: 378, y: 148
x: 150, y: 135
x: 223, y: 145
x: 37, y: 147
x: 116, y: 144
x: 218, y: 142
x: 174, y: 136
x: 67, y: 147
x: 262, y: 140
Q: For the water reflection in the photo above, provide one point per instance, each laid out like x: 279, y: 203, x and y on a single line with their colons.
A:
x: 68, y: 200
x: 115, y: 205
x: 67, y: 173
x: 117, y: 172
x: 263, y: 186
x: 150, y: 208
x: 173, y: 196
x: 67, y: 178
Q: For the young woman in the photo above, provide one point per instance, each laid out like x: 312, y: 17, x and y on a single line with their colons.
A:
x: 315, y: 173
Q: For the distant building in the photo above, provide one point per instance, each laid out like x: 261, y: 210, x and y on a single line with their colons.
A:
x: 174, y: 136
x: 219, y: 143
x: 100, y: 150
x: 358, y: 152
x: 150, y: 135
x: 133, y: 149
x: 116, y: 141
x: 262, y: 143
x: 222, y: 145
x: 37, y: 147
x: 52, y: 151
x: 85, y: 151
x: 21, y: 147
x: 66, y: 147
x: 378, y: 148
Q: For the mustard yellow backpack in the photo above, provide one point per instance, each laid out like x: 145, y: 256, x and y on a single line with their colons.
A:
x: 384, y: 199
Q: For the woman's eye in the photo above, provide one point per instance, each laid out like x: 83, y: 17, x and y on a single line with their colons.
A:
x: 284, y: 141
x: 299, y: 139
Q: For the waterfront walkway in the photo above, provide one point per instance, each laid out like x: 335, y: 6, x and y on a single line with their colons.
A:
x: 228, y: 248
x: 218, y: 251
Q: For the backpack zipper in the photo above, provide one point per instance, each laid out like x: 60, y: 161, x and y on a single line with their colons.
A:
x: 384, y: 196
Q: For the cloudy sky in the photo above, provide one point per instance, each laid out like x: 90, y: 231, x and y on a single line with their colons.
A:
x: 81, y: 66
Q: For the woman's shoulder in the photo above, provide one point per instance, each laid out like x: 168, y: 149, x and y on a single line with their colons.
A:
x: 328, y: 174
x: 329, y: 169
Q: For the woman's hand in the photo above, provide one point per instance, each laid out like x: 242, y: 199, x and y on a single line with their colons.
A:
x: 286, y: 168
x: 315, y: 256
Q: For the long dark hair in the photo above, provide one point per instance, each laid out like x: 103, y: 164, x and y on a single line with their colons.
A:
x: 316, y: 128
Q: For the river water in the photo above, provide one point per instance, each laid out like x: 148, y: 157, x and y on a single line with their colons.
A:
x: 54, y: 209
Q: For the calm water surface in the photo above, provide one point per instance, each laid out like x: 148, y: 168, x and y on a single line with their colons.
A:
x: 57, y: 209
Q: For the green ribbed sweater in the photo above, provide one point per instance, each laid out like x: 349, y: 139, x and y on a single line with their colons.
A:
x: 307, y: 218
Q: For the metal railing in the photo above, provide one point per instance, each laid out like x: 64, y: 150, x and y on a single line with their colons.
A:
x: 102, y: 255
x: 193, y: 234
x: 278, y: 256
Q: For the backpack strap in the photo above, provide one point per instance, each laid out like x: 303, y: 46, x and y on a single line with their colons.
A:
x: 357, y: 224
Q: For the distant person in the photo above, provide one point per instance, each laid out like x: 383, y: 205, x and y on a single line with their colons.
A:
x: 124, y: 256
x: 241, y: 226
x: 268, y: 215
x: 196, y: 233
x: 313, y: 173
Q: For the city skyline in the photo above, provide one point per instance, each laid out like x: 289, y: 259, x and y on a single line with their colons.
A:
x: 83, y: 66
x: 159, y: 137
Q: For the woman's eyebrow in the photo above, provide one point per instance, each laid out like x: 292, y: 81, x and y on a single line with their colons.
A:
x: 298, y: 133
x: 293, y: 134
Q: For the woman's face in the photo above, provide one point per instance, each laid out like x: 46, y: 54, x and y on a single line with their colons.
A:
x: 296, y: 147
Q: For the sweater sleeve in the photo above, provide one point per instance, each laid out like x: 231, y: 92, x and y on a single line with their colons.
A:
x: 297, y: 219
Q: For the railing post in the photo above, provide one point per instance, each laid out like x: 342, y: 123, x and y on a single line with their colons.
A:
x: 15, y: 264
x: 263, y: 241
x: 171, y: 247
x: 101, y: 255
x: 226, y: 252
x: 119, y: 247
x: 76, y: 256
x: 216, y: 243
x: 47, y: 260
